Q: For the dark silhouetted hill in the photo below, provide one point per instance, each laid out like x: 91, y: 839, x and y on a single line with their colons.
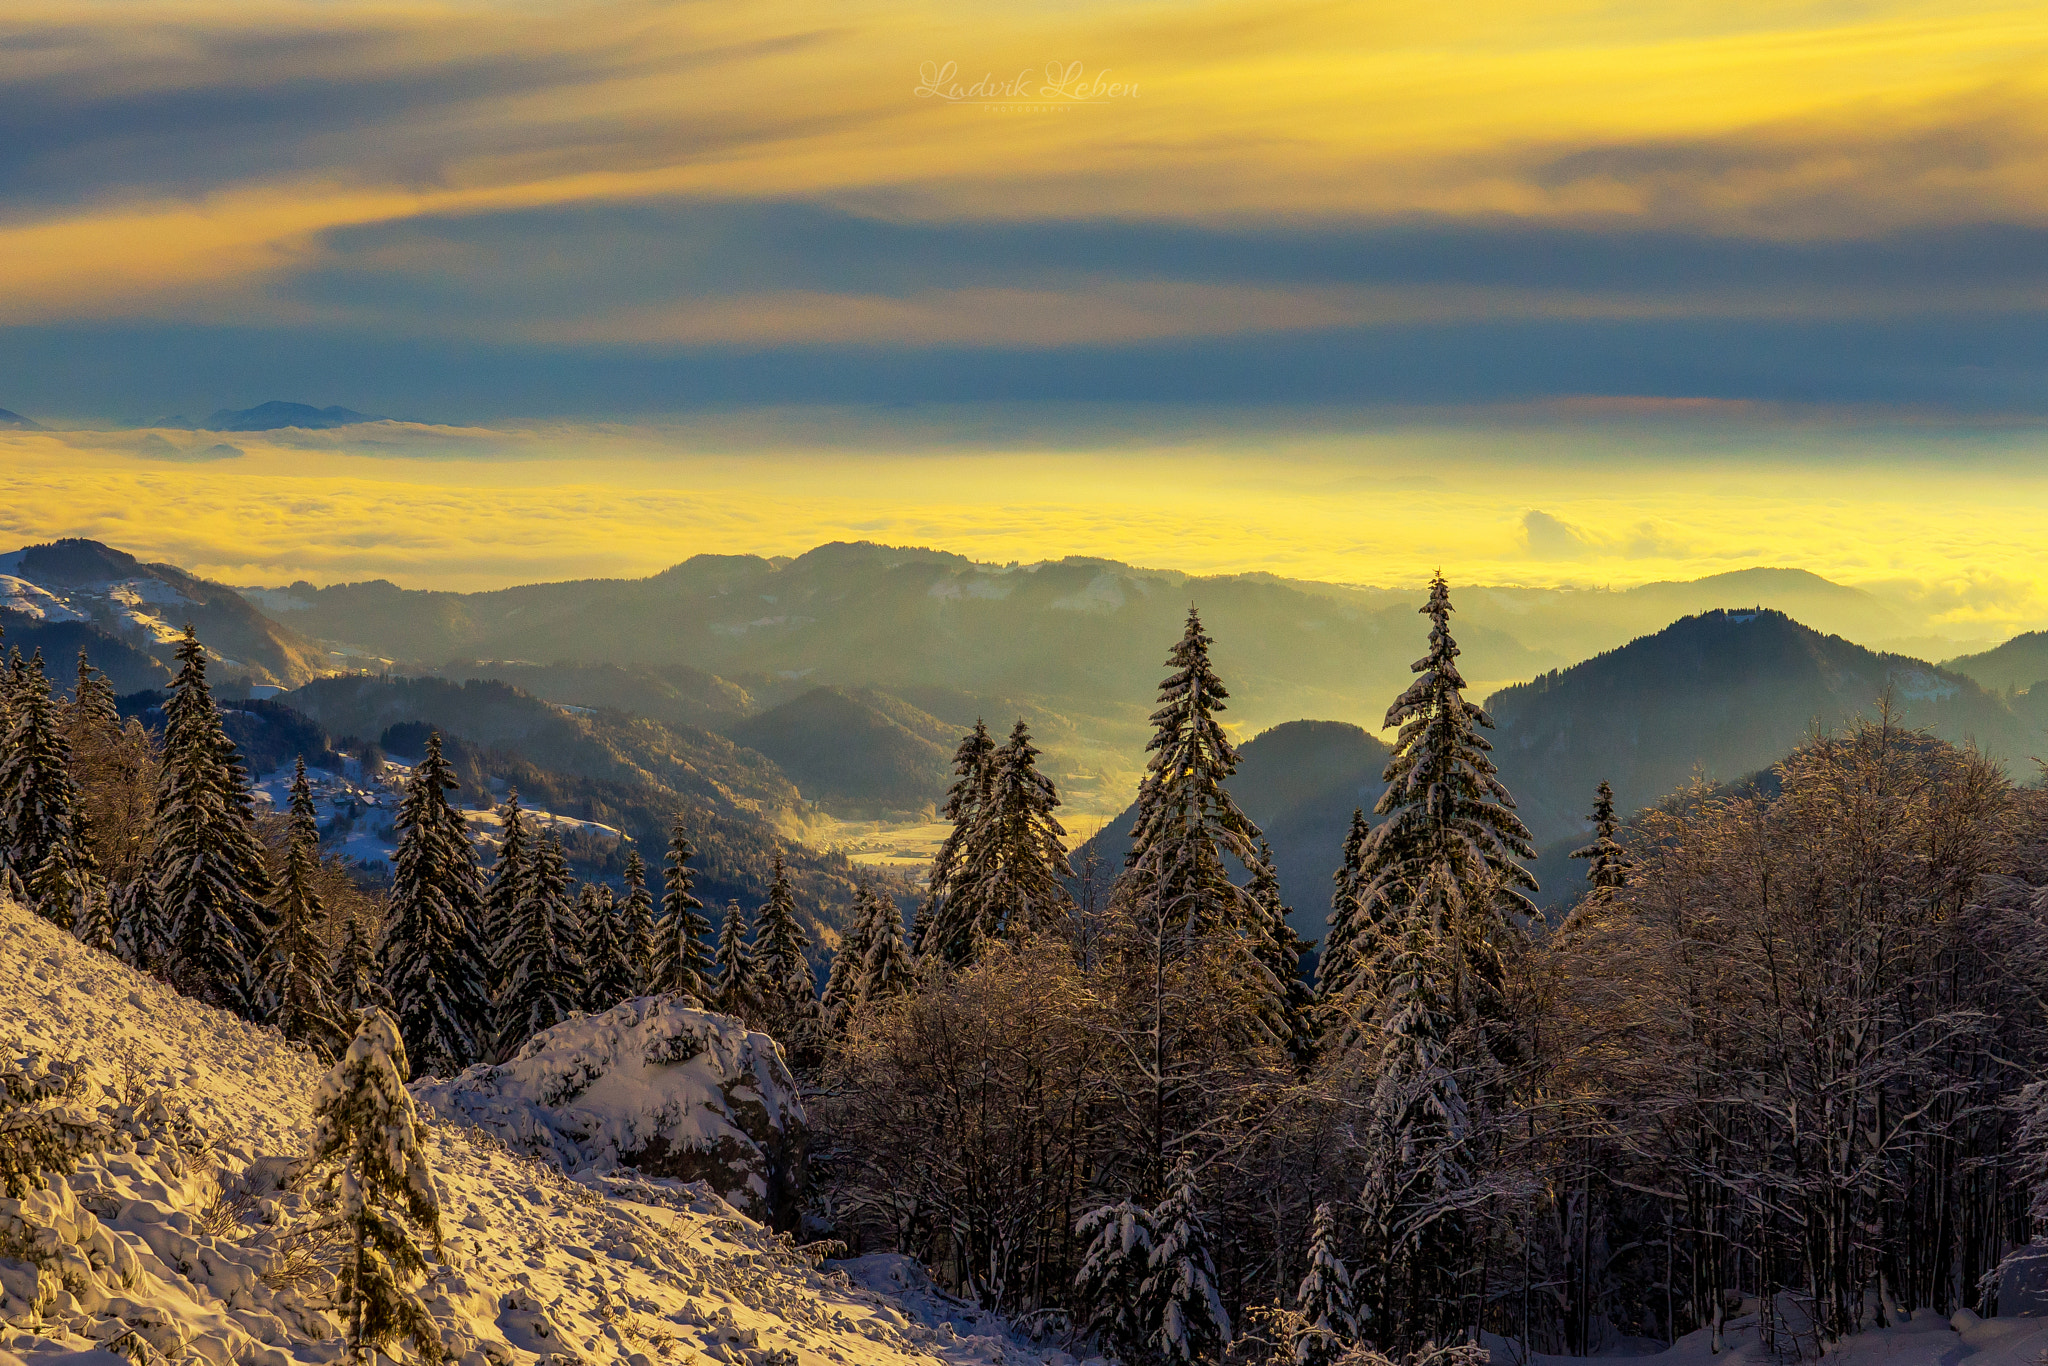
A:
x: 277, y: 415
x: 1723, y: 692
x: 2020, y: 663
x: 855, y: 751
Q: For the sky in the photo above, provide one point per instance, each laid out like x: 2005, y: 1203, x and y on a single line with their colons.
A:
x: 1017, y: 262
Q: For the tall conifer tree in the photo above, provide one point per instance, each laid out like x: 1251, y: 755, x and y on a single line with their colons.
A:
x: 782, y: 974
x: 1180, y: 1291
x: 207, y: 868
x: 1607, y: 862
x: 609, y: 973
x: 1325, y: 1298
x: 433, y: 959
x: 545, y: 984
x: 39, y: 835
x: 1447, y: 815
x: 353, y: 985
x: 973, y: 772
x: 1012, y: 881
x: 682, y: 961
x: 636, y: 925
x: 296, y: 961
x: 508, y: 879
x: 888, y: 967
x: 849, y: 962
x: 734, y: 993
x: 1187, y: 823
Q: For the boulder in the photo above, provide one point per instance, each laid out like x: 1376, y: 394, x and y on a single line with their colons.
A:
x: 655, y: 1085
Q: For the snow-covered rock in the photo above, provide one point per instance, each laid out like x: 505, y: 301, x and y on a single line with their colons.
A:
x: 654, y: 1084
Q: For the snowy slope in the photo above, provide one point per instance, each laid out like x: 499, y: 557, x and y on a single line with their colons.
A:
x: 180, y: 1238
x: 356, y: 810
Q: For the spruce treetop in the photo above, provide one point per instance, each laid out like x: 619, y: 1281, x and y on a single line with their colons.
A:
x: 682, y: 960
x: 1608, y: 863
x: 1186, y: 820
x: 1444, y: 801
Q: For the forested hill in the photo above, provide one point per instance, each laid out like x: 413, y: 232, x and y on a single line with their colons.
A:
x: 1726, y: 692
x: 2019, y: 663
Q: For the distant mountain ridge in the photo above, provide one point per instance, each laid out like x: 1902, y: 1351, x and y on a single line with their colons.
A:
x: 275, y: 415
x: 15, y: 422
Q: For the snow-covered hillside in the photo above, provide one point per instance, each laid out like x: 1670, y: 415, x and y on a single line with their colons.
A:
x: 178, y: 1245
x: 357, y: 808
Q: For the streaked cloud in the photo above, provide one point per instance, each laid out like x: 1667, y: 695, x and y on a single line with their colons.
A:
x: 228, y: 164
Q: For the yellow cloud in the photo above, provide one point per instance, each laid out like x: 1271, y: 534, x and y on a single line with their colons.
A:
x: 1725, y: 117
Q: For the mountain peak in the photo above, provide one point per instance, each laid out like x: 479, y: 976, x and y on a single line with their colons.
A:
x: 277, y: 414
x: 76, y: 560
x: 15, y: 422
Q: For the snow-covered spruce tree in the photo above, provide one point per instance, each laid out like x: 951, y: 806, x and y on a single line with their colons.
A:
x: 1607, y: 863
x: 433, y: 961
x: 636, y: 925
x: 353, y: 985
x: 295, y: 961
x: 734, y: 993
x: 1282, y: 949
x: 1012, y: 880
x: 1447, y: 813
x: 888, y: 967
x: 1110, y: 1285
x: 1198, y: 1008
x: 1325, y: 1299
x: 1187, y: 822
x: 207, y: 864
x: 95, y: 925
x: 1353, y: 961
x: 545, y: 980
x: 682, y: 960
x: 609, y: 973
x: 42, y: 1128
x: 1417, y: 1126
x: 508, y: 879
x: 849, y: 962
x: 782, y: 975
x: 973, y: 771
x: 92, y: 698
x: 1191, y: 1324
x: 365, y: 1125
x: 39, y: 838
